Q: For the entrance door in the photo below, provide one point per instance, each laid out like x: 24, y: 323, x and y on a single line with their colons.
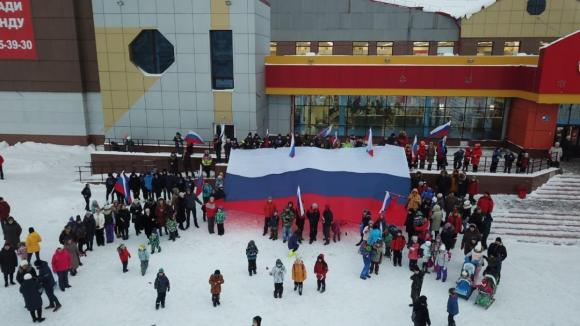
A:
x: 230, y: 130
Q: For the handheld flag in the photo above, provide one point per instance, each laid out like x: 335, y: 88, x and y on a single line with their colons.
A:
x: 300, y: 203
x: 415, y: 147
x: 334, y: 139
x: 442, y: 148
x: 386, y: 202
x: 199, y: 182
x: 223, y: 132
x: 325, y: 132
x: 292, y: 147
x: 370, y: 143
x: 193, y: 138
x: 122, y: 187
x: 440, y: 131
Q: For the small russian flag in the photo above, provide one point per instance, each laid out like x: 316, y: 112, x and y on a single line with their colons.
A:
x: 325, y: 132
x: 199, y: 182
x: 386, y: 202
x: 300, y: 203
x: 334, y: 139
x: 370, y: 143
x: 122, y: 187
x: 415, y: 147
x: 193, y: 138
x: 441, y: 131
x: 442, y: 146
x: 292, y: 147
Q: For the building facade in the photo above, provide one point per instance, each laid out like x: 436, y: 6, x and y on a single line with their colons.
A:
x: 96, y: 69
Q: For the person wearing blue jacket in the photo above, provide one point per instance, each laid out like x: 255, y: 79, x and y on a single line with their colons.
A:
x: 374, y: 235
x: 147, y: 185
x: 293, y: 244
x: 46, y: 279
x: 452, y: 307
x: 427, y: 194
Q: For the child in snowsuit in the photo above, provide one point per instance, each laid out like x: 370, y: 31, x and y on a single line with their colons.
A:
x: 443, y: 257
x: 220, y: 218
x: 413, y: 254
x: 216, y: 280
x: 397, y: 246
x: 387, y: 239
x: 335, y: 229
x: 293, y: 244
x: 172, y: 228
x: 426, y: 261
x: 144, y: 258
x: 278, y: 272
x: 298, y: 274
x: 162, y: 286
x: 252, y: 254
x: 376, y: 256
x: 320, y: 269
x: 274, y: 220
x: 154, y: 241
x: 452, y: 307
x: 124, y: 255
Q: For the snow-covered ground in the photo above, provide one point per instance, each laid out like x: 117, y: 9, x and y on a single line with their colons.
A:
x: 539, y: 281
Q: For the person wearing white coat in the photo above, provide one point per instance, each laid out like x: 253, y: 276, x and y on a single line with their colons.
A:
x: 99, y: 227
x: 278, y: 272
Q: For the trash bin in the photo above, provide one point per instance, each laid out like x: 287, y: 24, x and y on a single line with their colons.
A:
x: 522, y: 191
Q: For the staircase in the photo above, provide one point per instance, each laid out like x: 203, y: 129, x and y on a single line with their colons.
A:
x: 548, y: 215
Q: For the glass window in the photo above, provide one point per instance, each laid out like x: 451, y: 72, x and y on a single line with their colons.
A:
x: 273, y: 48
x: 445, y: 48
x: 151, y: 52
x: 536, y: 7
x: 484, y: 48
x: 222, y: 59
x: 511, y: 47
x: 421, y: 48
x: 384, y: 48
x: 360, y: 48
x: 325, y: 48
x: 302, y: 48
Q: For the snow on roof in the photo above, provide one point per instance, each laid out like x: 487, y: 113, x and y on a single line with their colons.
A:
x: 560, y: 39
x: 454, y: 8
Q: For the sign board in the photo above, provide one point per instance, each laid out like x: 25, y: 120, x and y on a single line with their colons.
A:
x: 16, y: 31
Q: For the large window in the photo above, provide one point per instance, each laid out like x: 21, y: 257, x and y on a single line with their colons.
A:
x: 302, y: 48
x: 445, y: 48
x: 222, y: 59
x: 151, y: 52
x: 360, y: 48
x: 325, y: 48
x: 384, y: 48
x: 511, y: 48
x: 471, y: 117
x: 420, y: 48
x: 273, y: 48
x: 484, y: 48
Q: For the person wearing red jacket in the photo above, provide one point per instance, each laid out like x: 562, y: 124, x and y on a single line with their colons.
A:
x: 210, y: 211
x: 422, y: 154
x: 466, y: 158
x: 4, y: 212
x: 485, y: 204
x: 473, y: 189
x: 455, y: 220
x: 269, y: 209
x: 162, y: 213
x: 61, y: 263
x: 124, y: 255
x: 475, y: 156
x: 320, y: 270
x: 422, y: 230
x: 1, y: 171
x: 397, y: 245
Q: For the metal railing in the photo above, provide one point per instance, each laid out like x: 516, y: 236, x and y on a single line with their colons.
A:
x: 120, y: 145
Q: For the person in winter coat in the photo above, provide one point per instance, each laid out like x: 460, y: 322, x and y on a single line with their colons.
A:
x: 414, y: 200
x: 273, y: 223
x: 426, y: 260
x: 320, y: 270
x: 376, y: 256
x: 257, y: 321
x: 473, y: 189
x: 252, y: 255
x: 470, y: 238
x: 86, y: 192
x: 452, y: 307
x: 23, y: 269
x: 99, y: 227
x: 486, y: 229
x: 89, y: 224
x: 12, y: 232
x: 467, y: 158
x: 136, y: 211
x: 462, y: 185
x: 422, y: 154
x: 293, y: 244
x: 21, y: 251
x: 397, y: 246
x: 31, y: 290
x: 298, y: 274
x: 365, y: 251
x: 416, y: 284
x: 110, y: 186
x: 8, y: 263
x: 436, y: 219
x: 456, y: 220
x: 443, y: 257
x: 413, y: 254
x: 143, y: 258
x: 210, y: 211
x: 190, y: 200
x: 75, y: 256
x: 162, y: 213
x: 61, y: 263
x: 124, y: 255
x: 278, y: 272
x: 431, y: 152
x: 4, y: 211
x: 374, y: 234
x: 313, y: 215
x: 33, y: 244
x: 216, y: 280
x: 220, y: 218
x: 327, y: 218
x: 47, y: 282
x: 476, y: 156
x: 162, y: 286
x: 420, y: 315
x: 422, y: 227
x: 124, y: 221
x: 154, y: 241
x: 109, y: 223
x: 509, y: 162
x: 458, y: 159
x: 171, y: 225
x: 269, y: 209
x: 448, y: 235
x: 485, y: 203
x: 495, y: 160
x: 497, y: 250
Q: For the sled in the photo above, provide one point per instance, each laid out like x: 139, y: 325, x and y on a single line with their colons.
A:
x: 486, y: 291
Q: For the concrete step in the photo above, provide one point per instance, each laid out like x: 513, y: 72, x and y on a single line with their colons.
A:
x: 506, y: 221
x: 575, y: 229
x: 556, y: 235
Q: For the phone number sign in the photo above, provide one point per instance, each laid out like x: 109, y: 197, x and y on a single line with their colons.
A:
x: 16, y: 30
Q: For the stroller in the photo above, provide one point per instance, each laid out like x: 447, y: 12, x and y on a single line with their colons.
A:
x: 464, y: 286
x: 486, y: 291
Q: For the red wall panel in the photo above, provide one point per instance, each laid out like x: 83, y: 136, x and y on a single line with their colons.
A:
x: 559, y: 67
x: 532, y: 125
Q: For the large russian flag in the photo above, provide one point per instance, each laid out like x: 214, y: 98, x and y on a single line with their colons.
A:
x: 347, y: 179
x: 122, y: 187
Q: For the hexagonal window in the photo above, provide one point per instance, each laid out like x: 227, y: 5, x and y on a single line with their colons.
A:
x: 151, y: 52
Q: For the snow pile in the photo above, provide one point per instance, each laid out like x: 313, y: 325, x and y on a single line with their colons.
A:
x: 42, y: 194
x: 454, y: 8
